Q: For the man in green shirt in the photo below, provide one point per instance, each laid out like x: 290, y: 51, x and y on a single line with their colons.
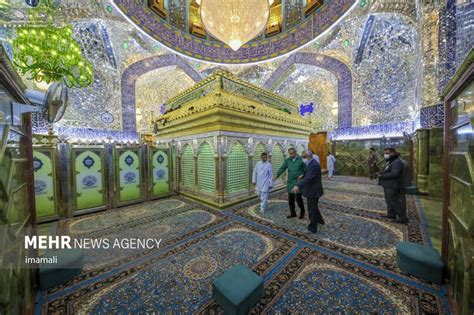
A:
x: 295, y: 166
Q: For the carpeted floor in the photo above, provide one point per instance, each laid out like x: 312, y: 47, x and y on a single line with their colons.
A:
x: 348, y: 267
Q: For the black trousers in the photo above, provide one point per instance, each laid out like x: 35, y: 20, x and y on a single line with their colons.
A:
x: 315, y: 216
x: 396, y: 202
x: 299, y: 201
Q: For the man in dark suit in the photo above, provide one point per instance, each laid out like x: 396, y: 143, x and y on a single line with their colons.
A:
x: 312, y: 187
x: 392, y: 178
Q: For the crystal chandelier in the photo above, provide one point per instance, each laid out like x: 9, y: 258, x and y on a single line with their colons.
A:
x: 235, y: 22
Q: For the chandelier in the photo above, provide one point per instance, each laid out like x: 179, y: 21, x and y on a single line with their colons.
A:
x: 235, y: 22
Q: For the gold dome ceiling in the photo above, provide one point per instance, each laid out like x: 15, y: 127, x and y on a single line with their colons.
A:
x: 291, y: 24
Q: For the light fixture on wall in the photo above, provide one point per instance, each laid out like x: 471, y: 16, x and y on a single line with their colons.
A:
x: 235, y: 22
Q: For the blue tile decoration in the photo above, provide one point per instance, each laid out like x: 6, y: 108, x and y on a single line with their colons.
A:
x: 464, y: 30
x: 432, y: 116
x: 88, y: 162
x: 37, y: 164
x: 107, y: 44
x: 369, y: 24
x: 373, y: 131
x: 306, y: 108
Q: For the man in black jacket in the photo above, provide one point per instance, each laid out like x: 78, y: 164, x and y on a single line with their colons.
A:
x: 312, y: 188
x: 391, y: 178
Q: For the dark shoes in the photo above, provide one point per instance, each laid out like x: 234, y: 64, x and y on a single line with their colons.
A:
x: 401, y: 221
x: 301, y: 216
x: 313, y: 229
x: 291, y: 216
x: 392, y: 217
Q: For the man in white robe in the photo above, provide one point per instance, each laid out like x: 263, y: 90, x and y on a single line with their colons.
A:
x: 262, y: 179
x: 331, y: 162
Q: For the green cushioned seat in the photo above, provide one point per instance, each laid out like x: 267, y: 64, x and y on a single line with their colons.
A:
x: 410, y: 190
x: 421, y: 261
x: 237, y: 290
x: 70, y: 263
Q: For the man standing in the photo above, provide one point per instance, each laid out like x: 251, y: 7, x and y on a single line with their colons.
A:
x: 331, y: 162
x: 312, y: 188
x: 372, y: 163
x: 392, y: 179
x: 316, y: 157
x: 296, y: 167
x: 262, y: 179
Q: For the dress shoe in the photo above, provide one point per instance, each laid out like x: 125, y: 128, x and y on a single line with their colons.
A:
x: 401, y: 221
x: 321, y: 222
x: 386, y: 216
x: 313, y: 229
x: 291, y: 216
x: 301, y: 216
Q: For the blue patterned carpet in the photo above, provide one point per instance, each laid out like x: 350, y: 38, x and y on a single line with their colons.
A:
x: 348, y: 267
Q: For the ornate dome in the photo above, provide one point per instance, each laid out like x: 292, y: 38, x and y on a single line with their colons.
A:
x: 177, y: 25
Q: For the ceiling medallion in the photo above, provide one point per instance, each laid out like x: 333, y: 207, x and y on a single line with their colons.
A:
x: 235, y: 22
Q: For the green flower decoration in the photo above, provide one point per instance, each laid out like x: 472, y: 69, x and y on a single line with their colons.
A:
x: 50, y: 54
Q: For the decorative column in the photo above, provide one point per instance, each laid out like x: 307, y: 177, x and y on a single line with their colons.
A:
x: 196, y: 175
x: 224, y: 192
x: 221, y: 165
x: 179, y: 168
x: 436, y: 145
x: 423, y: 161
x: 250, y: 156
x: 218, y: 196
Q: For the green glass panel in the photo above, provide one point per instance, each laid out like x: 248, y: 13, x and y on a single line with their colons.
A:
x: 160, y: 172
x: 206, y: 169
x: 175, y: 167
x: 89, y: 193
x: 129, y: 177
x: 237, y: 169
x: 44, y: 184
x: 277, y: 158
x: 259, y: 149
x: 188, y: 168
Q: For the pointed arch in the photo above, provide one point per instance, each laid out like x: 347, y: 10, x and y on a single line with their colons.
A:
x: 134, y: 71
x: 337, y: 67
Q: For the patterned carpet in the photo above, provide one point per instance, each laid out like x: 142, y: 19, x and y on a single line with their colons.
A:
x: 348, y: 267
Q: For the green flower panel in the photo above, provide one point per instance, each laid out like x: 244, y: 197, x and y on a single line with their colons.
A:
x: 175, y: 167
x: 277, y: 158
x: 206, y: 169
x: 237, y: 169
x: 45, y: 196
x: 188, y: 168
x: 259, y: 149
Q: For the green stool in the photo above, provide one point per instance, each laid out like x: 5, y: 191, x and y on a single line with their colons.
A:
x: 410, y: 190
x: 70, y: 263
x: 237, y: 290
x: 421, y: 261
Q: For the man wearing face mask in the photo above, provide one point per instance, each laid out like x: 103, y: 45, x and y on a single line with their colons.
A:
x: 391, y: 179
x: 312, y: 187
